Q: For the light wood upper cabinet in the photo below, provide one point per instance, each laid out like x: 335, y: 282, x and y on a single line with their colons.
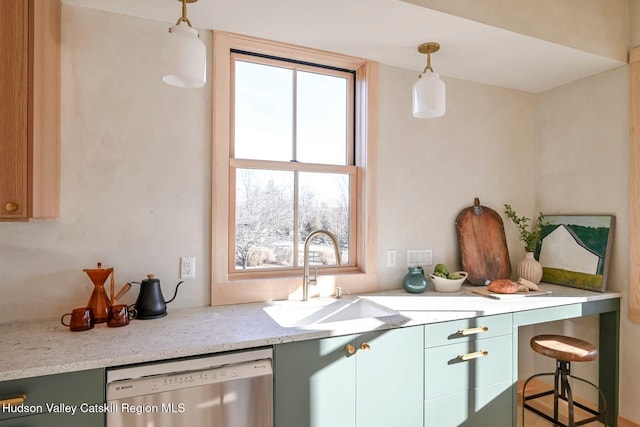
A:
x: 29, y: 109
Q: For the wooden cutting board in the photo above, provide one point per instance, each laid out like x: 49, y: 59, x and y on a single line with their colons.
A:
x: 482, y: 243
x: 485, y: 292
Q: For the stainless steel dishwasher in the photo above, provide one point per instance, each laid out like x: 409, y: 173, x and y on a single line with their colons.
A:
x: 228, y: 390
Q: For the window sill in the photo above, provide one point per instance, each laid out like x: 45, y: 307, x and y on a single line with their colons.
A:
x: 282, y: 288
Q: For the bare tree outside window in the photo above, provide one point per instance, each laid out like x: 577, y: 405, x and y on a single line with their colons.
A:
x: 324, y: 203
x: 264, y: 218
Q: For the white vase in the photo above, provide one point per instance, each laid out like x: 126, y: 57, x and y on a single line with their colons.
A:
x: 529, y: 268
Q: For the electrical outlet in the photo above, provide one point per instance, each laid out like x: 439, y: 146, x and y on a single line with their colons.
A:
x: 391, y: 258
x: 188, y: 267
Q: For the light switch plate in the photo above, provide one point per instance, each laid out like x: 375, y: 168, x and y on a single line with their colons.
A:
x: 420, y: 257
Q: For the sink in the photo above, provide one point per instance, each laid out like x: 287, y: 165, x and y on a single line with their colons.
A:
x: 319, y: 312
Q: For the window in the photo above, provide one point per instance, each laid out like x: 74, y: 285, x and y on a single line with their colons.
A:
x: 294, y: 139
x: 291, y: 163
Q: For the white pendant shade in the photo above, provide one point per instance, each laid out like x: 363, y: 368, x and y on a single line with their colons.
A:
x: 184, y: 58
x: 429, y: 96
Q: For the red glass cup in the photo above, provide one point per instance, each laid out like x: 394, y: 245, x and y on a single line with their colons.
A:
x: 120, y: 315
x: 81, y: 319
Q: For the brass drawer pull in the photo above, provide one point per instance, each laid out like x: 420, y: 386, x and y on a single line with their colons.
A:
x: 471, y: 331
x: 475, y: 355
x: 364, y: 346
x: 11, y: 207
x: 14, y: 401
x: 350, y: 349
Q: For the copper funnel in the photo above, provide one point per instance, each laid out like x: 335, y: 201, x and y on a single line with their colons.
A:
x: 99, y: 301
x: 98, y: 275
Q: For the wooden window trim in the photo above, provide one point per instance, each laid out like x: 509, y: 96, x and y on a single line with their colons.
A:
x: 360, y: 278
x: 345, y: 169
x: 634, y: 187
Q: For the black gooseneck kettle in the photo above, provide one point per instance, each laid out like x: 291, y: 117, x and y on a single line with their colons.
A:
x: 150, y: 303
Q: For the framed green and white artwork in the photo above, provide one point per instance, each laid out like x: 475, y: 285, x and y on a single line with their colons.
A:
x: 574, y: 250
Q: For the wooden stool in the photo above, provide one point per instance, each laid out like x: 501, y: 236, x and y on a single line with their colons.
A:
x: 565, y: 350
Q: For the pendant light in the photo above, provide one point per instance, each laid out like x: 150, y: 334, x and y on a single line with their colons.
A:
x: 184, y: 55
x: 429, y: 92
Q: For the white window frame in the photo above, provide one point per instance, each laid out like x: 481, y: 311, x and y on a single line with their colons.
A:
x: 229, y: 288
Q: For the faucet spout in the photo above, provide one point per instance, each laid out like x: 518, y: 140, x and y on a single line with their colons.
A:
x: 305, y: 278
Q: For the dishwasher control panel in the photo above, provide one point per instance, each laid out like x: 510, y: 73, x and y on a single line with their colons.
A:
x: 179, y: 380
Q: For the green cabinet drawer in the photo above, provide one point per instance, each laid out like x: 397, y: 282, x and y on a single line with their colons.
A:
x: 82, y: 419
x: 446, y: 371
x: 465, y: 330
x: 73, y: 388
x: 484, y: 406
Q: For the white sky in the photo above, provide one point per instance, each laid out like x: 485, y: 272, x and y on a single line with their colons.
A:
x: 264, y: 115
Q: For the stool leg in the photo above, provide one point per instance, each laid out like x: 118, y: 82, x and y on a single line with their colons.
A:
x: 567, y: 394
x: 601, y: 415
x: 557, y: 385
x: 525, y: 398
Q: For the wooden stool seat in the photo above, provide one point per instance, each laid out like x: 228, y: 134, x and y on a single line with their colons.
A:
x: 564, y: 348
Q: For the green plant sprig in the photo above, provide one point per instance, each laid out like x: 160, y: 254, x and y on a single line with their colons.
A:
x: 531, y: 236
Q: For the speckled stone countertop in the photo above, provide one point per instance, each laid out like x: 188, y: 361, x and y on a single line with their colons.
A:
x: 29, y: 349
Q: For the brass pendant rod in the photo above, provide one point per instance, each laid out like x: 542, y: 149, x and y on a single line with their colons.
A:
x: 184, y: 18
x: 428, y: 67
x: 428, y: 48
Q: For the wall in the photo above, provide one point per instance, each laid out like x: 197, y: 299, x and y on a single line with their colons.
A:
x: 596, y: 26
x: 429, y: 170
x: 582, y: 155
x: 135, y: 175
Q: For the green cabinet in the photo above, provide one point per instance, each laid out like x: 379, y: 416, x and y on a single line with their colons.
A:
x: 468, y: 372
x: 83, y: 419
x: 371, y: 379
x: 71, y: 400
